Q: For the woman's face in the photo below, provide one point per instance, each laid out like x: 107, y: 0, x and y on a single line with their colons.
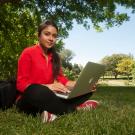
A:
x: 48, y: 36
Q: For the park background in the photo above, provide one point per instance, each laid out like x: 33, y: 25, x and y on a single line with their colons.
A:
x: 90, y: 45
x: 114, y: 47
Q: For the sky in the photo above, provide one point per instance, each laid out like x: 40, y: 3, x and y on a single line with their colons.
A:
x: 89, y: 45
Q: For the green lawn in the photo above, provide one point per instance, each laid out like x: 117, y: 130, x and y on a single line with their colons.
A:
x: 115, y: 116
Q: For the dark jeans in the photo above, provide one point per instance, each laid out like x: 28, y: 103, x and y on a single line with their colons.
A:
x: 38, y: 98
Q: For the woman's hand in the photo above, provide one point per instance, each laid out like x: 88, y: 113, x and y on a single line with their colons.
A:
x: 56, y: 86
x: 93, y: 87
x: 70, y: 84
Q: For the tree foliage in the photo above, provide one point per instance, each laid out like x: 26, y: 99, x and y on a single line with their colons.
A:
x: 66, y: 56
x: 125, y: 66
x: 112, y: 61
x: 16, y: 32
x: 65, y: 11
x: 73, y: 73
x: 70, y: 70
x: 133, y: 73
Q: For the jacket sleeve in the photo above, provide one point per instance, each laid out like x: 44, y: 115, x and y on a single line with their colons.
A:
x: 23, y: 71
x: 61, y: 78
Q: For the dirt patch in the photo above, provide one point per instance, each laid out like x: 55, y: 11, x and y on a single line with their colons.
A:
x: 114, y: 82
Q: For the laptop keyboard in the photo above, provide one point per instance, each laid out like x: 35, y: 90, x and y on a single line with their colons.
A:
x: 66, y: 94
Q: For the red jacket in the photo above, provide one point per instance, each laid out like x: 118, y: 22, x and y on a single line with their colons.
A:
x: 33, y: 68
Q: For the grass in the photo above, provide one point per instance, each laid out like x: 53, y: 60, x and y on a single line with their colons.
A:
x: 115, y: 116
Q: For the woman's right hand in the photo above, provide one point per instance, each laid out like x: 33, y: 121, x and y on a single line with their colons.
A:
x: 56, y: 86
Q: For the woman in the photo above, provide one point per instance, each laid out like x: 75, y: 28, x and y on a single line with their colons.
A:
x: 40, y: 75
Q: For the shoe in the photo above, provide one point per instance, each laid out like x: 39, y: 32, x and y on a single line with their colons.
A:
x: 88, y: 105
x: 47, y: 117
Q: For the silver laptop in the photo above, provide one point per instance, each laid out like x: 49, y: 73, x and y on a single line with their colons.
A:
x: 89, y: 75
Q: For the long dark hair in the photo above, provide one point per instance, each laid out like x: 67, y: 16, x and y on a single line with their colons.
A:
x: 55, y: 57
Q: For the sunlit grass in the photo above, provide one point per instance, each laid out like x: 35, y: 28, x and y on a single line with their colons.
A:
x: 115, y: 116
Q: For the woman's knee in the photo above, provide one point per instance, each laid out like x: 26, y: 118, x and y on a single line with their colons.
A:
x: 38, y: 92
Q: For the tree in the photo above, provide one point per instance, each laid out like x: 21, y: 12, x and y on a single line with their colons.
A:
x: 10, y: 1
x: 66, y: 56
x: 99, y: 12
x: 77, y: 68
x: 70, y: 70
x: 112, y: 61
x: 125, y: 67
x: 133, y: 74
x: 74, y: 73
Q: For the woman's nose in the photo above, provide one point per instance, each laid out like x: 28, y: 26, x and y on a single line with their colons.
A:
x: 51, y: 38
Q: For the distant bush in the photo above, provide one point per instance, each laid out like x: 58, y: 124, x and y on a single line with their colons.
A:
x: 69, y: 74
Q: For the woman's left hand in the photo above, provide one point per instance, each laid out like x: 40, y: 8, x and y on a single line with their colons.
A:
x: 93, y: 88
x: 70, y: 84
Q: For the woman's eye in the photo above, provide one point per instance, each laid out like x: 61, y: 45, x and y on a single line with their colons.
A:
x: 47, y: 34
x: 55, y: 36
